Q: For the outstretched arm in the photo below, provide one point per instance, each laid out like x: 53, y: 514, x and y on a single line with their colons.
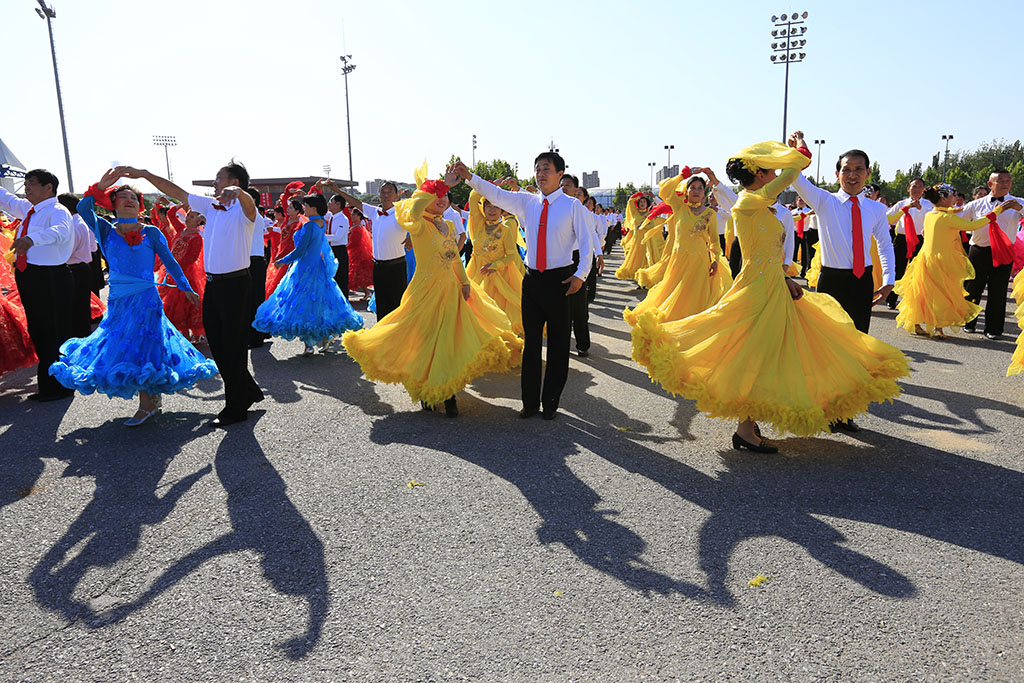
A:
x: 163, y: 185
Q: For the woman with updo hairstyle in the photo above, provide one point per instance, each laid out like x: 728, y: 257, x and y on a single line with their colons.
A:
x: 695, y: 276
x: 768, y: 351
x: 932, y: 289
x: 636, y: 226
x: 135, y: 349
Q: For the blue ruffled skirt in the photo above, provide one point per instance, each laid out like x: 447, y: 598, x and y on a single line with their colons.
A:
x: 308, y: 305
x: 135, y: 348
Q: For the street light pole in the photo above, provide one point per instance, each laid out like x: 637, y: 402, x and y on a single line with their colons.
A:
x: 669, y: 148
x: 49, y: 14
x: 474, y: 151
x: 652, y: 165
x: 945, y: 163
x: 817, y: 174
x: 166, y: 141
x: 787, y: 27
x: 346, y: 68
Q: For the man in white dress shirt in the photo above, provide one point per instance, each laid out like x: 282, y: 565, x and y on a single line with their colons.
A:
x: 554, y: 224
x: 44, y: 242
x: 227, y: 247
x: 388, y: 239
x: 579, y: 313
x: 257, y: 271
x: 846, y: 218
x: 903, y: 212
x: 337, y: 226
x: 80, y: 265
x: 987, y: 272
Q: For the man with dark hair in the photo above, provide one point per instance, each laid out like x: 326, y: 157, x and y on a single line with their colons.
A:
x: 80, y: 265
x: 337, y: 237
x: 44, y: 242
x: 992, y: 252
x: 579, y: 314
x: 908, y: 217
x: 257, y: 270
x: 847, y: 220
x: 227, y: 246
x: 555, y: 225
x: 388, y: 238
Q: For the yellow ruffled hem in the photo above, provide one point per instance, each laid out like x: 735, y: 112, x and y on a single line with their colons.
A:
x: 653, y: 348
x: 500, y: 354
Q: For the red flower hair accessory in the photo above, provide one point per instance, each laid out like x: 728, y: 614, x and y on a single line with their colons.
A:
x: 436, y: 187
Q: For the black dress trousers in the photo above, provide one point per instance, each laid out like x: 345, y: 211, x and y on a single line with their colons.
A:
x: 545, y: 302
x: 46, y: 293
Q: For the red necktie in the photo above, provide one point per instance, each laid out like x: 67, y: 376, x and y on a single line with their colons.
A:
x: 330, y: 220
x: 909, y: 232
x: 542, y: 239
x: 21, y: 262
x: 858, y: 239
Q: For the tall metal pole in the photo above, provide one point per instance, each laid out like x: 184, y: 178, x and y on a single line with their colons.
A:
x: 166, y: 141
x: 785, y: 103
x: 167, y: 160
x: 49, y: 14
x: 346, y: 69
x: 652, y: 165
x: 945, y: 162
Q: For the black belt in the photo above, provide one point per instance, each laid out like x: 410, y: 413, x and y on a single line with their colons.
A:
x: 388, y: 261
x: 568, y: 266
x: 210, y: 277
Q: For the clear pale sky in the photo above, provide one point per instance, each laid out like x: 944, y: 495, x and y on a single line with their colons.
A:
x: 610, y: 82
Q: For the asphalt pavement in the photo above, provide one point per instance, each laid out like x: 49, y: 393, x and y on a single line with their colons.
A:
x: 343, y: 534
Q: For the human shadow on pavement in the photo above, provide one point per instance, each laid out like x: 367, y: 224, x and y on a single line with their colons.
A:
x: 29, y: 437
x: 127, y: 478
x: 569, y: 508
x: 888, y: 482
x: 333, y: 374
x: 263, y: 520
x: 967, y: 410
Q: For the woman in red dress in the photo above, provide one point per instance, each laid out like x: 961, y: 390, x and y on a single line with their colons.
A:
x: 275, y: 273
x: 360, y: 254
x: 16, y: 350
x: 187, y: 250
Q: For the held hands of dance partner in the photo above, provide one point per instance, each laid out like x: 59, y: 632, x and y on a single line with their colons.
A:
x: 462, y: 171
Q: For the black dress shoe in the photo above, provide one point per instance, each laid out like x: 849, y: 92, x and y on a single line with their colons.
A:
x: 993, y: 337
x: 550, y: 414
x: 583, y: 354
x: 848, y: 426
x: 451, y: 408
x: 969, y: 330
x: 740, y: 443
x: 224, y: 421
x: 527, y: 412
x: 256, y: 396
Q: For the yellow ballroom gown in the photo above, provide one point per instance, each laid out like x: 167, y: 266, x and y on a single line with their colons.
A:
x: 652, y: 275
x: 1017, y: 361
x: 494, y: 245
x: 435, y: 342
x: 758, y: 354
x: 637, y: 224
x: 686, y: 288
x: 932, y: 290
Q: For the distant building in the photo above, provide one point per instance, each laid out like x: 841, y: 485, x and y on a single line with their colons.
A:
x: 373, y: 186
x: 667, y: 172
x: 590, y: 180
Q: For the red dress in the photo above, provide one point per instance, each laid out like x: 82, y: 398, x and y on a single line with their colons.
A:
x: 16, y: 350
x: 284, y: 246
x: 188, y: 252
x: 360, y: 256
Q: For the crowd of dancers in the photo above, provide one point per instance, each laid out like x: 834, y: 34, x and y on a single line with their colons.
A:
x: 460, y: 293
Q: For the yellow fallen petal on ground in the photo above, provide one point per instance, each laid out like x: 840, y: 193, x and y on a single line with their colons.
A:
x: 413, y: 482
x: 558, y: 594
x: 757, y: 580
x: 625, y: 429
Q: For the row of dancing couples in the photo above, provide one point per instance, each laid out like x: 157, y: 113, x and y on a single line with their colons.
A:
x: 749, y: 357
